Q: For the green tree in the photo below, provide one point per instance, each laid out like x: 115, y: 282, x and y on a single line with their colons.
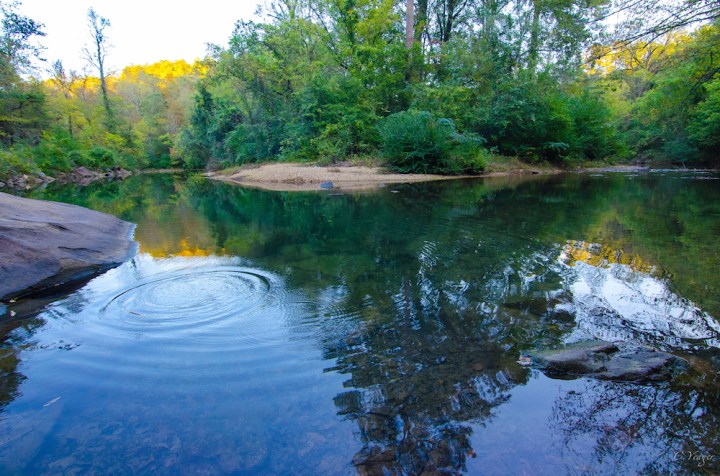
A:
x: 96, y: 54
x: 22, y: 103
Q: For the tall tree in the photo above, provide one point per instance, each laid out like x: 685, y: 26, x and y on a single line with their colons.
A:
x: 66, y: 83
x: 410, y: 24
x: 448, y: 13
x: 421, y: 20
x: 17, y: 49
x: 96, y: 54
x: 22, y: 111
x: 533, y: 49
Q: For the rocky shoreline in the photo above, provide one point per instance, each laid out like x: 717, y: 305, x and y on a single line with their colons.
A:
x: 80, y: 176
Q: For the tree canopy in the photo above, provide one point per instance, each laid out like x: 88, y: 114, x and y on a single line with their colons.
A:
x: 444, y: 86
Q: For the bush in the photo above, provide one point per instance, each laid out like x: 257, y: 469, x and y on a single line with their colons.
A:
x: 77, y: 158
x: 13, y: 162
x: 525, y: 118
x: 51, y: 156
x: 704, y: 124
x: 95, y: 158
x: 594, y: 136
x: 100, y: 157
x: 337, y: 118
x: 415, y: 142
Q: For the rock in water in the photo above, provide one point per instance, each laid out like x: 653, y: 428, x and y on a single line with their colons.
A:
x: 46, y: 244
x: 605, y: 361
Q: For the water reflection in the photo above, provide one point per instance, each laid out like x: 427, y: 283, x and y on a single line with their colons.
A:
x: 626, y: 303
x: 616, y: 427
x: 205, y: 365
x: 417, y: 390
x: 375, y: 333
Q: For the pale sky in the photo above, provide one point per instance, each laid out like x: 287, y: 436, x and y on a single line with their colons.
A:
x: 141, y: 31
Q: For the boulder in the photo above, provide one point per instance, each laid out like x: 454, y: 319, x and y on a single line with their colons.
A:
x: 606, y: 361
x: 47, y: 244
x: 83, y: 172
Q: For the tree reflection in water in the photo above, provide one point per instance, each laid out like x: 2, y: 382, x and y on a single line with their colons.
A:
x: 427, y: 298
x: 415, y: 394
x: 640, y: 429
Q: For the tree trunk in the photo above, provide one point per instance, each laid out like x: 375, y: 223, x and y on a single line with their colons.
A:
x: 103, y: 83
x: 421, y: 17
x: 533, y: 50
x: 96, y: 58
x: 449, y: 20
x: 410, y: 24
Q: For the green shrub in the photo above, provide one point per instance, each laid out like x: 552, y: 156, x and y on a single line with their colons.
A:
x: 415, y: 142
x: 50, y: 156
x: 469, y: 155
x: 332, y: 145
x: 594, y: 136
x: 704, y: 124
x: 555, y: 150
x: 523, y: 117
x: 77, y: 158
x: 678, y: 150
x: 13, y: 162
x: 100, y: 157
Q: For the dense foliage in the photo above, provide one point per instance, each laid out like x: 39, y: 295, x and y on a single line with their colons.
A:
x: 416, y: 142
x: 330, y: 80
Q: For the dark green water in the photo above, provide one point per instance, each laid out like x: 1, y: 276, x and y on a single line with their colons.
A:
x: 319, y: 333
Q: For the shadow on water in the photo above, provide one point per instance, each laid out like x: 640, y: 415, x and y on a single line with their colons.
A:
x: 413, y: 302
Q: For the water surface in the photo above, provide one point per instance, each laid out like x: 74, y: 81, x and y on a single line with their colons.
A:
x: 322, y: 333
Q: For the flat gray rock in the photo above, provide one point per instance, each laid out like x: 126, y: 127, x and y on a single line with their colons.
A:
x: 46, y: 244
x: 605, y: 361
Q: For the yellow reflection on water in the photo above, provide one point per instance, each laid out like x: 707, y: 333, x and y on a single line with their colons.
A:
x: 183, y: 248
x: 604, y: 255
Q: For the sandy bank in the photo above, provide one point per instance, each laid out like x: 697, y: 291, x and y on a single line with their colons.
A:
x: 297, y: 177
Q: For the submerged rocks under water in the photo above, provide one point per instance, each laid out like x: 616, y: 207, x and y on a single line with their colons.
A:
x: 607, y: 361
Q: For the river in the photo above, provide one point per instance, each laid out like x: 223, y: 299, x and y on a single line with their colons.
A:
x: 375, y: 333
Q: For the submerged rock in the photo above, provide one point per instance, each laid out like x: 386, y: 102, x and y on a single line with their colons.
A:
x: 47, y: 244
x: 606, y: 361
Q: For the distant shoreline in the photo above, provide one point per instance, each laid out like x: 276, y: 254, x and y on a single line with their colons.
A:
x: 343, y: 177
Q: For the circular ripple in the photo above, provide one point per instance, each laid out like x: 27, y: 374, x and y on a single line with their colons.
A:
x: 193, y: 299
x: 183, y: 322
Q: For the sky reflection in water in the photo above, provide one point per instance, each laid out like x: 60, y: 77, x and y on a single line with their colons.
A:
x: 327, y: 334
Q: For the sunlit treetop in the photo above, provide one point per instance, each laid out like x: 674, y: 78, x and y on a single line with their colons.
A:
x: 606, y: 59
x: 160, y: 74
x: 165, y: 70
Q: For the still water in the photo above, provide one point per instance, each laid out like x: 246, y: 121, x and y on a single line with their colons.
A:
x: 375, y: 333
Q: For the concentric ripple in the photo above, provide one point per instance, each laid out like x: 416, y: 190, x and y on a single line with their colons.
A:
x: 201, y: 321
x: 193, y: 298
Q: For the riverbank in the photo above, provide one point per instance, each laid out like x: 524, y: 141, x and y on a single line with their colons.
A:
x: 79, y: 175
x: 344, y: 176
